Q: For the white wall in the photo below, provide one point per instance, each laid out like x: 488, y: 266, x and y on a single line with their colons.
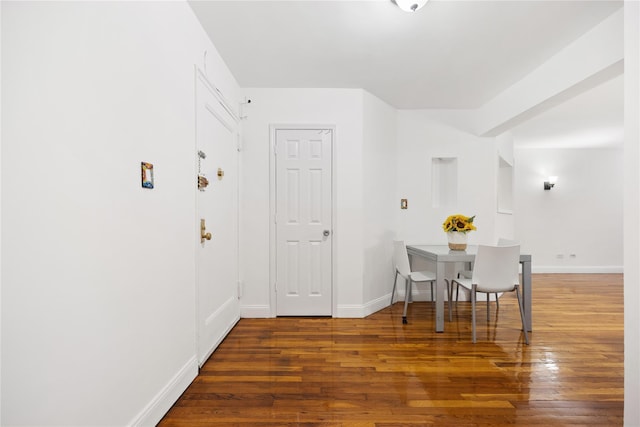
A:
x: 98, y: 304
x: 631, y: 213
x: 342, y: 108
x: 379, y: 159
x: 419, y: 140
x: 380, y: 205
x: 581, y: 215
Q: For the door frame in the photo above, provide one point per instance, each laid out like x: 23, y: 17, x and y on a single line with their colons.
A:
x: 273, y: 128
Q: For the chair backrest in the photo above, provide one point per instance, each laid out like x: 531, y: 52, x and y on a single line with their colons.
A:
x: 496, y: 268
x: 507, y: 242
x: 401, y: 258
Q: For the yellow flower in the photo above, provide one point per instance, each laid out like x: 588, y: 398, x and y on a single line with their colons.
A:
x: 459, y: 222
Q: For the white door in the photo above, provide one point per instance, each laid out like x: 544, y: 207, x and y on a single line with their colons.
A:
x: 303, y: 222
x: 217, y: 204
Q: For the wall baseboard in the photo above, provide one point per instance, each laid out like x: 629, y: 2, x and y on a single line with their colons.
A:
x: 375, y: 305
x: 162, y: 402
x: 343, y: 311
x: 350, y: 311
x: 358, y: 311
x: 611, y: 269
x: 255, y: 311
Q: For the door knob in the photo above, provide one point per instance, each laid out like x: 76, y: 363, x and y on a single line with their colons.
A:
x: 326, y: 233
x: 203, y: 234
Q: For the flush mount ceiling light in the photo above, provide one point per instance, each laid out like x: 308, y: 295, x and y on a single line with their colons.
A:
x: 409, y: 5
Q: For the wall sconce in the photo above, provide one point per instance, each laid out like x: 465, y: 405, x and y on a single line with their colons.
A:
x: 409, y: 5
x: 548, y: 185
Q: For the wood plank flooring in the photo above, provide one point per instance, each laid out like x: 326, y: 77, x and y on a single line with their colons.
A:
x: 378, y: 372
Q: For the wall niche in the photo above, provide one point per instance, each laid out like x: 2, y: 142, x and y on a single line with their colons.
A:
x: 444, y: 182
x: 505, y: 186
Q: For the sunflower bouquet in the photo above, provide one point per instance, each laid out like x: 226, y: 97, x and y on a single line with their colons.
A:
x: 459, y: 223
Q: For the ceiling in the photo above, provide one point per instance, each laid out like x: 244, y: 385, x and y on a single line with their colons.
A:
x: 592, y: 119
x: 449, y: 55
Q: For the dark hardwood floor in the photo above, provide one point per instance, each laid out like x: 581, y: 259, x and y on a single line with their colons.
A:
x: 378, y: 372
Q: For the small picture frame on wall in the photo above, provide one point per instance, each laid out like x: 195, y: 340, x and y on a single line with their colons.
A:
x: 147, y: 174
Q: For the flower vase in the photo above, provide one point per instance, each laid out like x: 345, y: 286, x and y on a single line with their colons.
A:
x: 457, y: 240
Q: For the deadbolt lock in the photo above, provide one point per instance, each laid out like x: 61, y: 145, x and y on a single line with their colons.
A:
x: 203, y: 182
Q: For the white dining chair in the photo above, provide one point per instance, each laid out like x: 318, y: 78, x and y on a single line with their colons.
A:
x: 467, y: 274
x: 496, y: 269
x: 507, y: 242
x: 403, y: 269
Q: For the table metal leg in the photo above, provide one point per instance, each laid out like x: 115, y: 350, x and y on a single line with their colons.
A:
x: 440, y: 285
x: 526, y: 293
x: 449, y: 292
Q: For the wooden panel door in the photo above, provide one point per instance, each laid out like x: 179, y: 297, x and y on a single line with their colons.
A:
x: 303, y: 222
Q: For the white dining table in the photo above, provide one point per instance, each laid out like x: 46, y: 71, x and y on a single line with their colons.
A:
x: 441, y: 255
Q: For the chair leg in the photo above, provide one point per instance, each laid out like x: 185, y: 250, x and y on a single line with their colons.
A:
x: 524, y: 328
x: 393, y: 292
x: 488, y: 307
x: 488, y: 304
x: 433, y: 300
x: 407, y: 295
x: 473, y: 314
